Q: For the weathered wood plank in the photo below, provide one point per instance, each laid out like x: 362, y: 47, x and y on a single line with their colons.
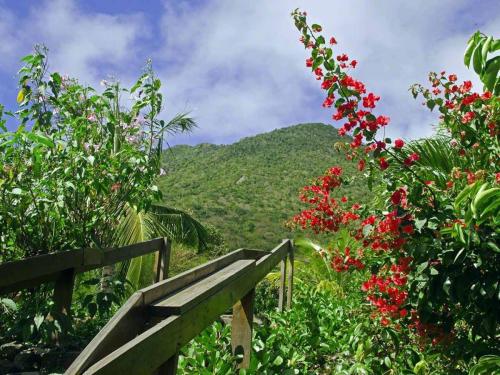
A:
x: 63, y: 292
x: 115, y: 255
x: 163, y: 261
x: 31, y: 272
x: 241, y: 328
x: 190, y: 296
x: 126, y: 324
x: 290, y: 276
x: 150, y: 349
x: 281, y: 293
x: 169, y: 367
x: 255, y: 253
x: 162, y: 289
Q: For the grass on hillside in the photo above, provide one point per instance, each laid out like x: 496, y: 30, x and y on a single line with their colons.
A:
x: 249, y: 189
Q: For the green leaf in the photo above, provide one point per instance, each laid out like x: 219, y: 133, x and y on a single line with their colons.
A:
x: 477, y: 61
x: 486, y: 47
x: 421, y: 267
x: 21, y: 95
x: 278, y: 361
x: 495, y: 45
x: 470, y: 49
x: 447, y: 285
x: 320, y: 40
x: 40, y: 139
x: 38, y: 321
x: 490, y: 73
x: 493, y: 246
x: 9, y: 304
x: 317, y: 62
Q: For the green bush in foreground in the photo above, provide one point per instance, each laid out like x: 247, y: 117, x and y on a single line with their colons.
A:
x: 320, y: 335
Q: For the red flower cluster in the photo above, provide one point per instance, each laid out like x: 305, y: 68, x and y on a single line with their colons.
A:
x: 388, y: 233
x: 346, y: 262
x: 327, y: 213
x: 387, y: 293
x: 410, y: 160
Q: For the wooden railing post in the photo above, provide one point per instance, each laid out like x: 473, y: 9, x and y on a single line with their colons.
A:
x: 169, y: 367
x: 241, y: 328
x: 63, y: 294
x: 290, y: 276
x: 162, y: 267
x: 281, y: 296
x: 163, y: 260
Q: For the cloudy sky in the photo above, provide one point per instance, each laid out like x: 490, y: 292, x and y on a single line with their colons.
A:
x: 236, y: 65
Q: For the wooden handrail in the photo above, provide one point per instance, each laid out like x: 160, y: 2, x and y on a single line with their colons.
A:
x: 33, y: 271
x: 145, y: 335
x: 62, y: 268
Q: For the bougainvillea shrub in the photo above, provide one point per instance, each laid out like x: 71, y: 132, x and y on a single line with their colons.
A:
x: 430, y: 243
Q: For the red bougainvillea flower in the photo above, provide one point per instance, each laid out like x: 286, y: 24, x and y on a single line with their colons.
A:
x: 468, y: 117
x: 369, y: 100
x: 452, y: 77
x: 398, y: 198
x: 361, y: 165
x: 319, y: 73
x: 408, y: 229
x: 486, y: 96
x: 328, y: 102
x: 333, y: 41
x: 343, y: 58
x: 383, y: 163
x: 399, y: 143
x: 410, y: 160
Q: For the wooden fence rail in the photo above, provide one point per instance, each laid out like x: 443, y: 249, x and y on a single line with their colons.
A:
x: 147, y: 332
x: 62, y: 268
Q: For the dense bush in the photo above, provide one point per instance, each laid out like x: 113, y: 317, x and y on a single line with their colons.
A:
x: 430, y: 240
x: 79, y: 171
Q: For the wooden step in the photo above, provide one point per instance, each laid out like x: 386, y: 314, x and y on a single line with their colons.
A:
x: 193, y: 294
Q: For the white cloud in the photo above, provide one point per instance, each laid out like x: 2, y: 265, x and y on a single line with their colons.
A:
x: 239, y: 67
x: 81, y: 45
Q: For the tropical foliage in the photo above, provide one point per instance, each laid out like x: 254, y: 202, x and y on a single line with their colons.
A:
x: 430, y: 240
x: 80, y: 171
x: 247, y: 189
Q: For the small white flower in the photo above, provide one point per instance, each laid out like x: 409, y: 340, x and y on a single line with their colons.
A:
x: 92, y: 117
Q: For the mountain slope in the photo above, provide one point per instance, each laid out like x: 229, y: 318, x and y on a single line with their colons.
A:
x: 250, y: 188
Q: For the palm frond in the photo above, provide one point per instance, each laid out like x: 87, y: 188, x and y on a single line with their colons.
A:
x: 437, y: 158
x: 180, y: 123
x: 160, y: 221
x: 179, y: 226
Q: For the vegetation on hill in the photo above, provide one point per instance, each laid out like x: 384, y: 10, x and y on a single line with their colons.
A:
x: 249, y: 189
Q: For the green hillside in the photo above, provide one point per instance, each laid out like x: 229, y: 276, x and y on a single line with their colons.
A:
x: 250, y: 188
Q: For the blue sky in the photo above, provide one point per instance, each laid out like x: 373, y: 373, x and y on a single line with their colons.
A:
x: 236, y: 65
